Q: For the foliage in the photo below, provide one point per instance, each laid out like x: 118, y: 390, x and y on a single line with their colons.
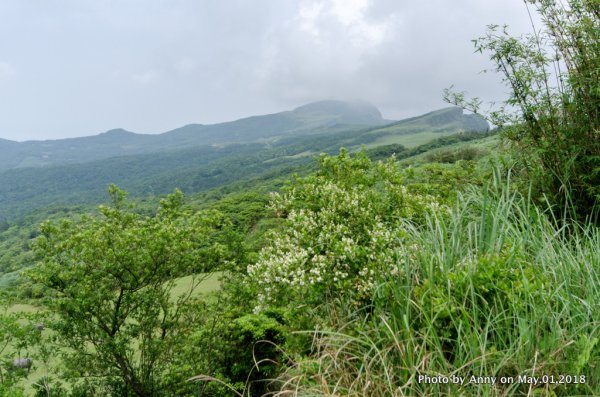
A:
x: 247, y: 353
x: 233, y: 347
x: 112, y: 275
x: 494, y: 289
x: 400, y: 272
x: 195, y: 166
x: 554, y: 77
x: 18, y: 338
x: 468, y: 153
x: 4, y: 225
x: 244, y: 210
x: 242, y: 202
x: 343, y: 229
x: 370, y: 274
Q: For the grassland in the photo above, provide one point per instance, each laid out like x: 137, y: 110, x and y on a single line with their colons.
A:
x: 408, y: 140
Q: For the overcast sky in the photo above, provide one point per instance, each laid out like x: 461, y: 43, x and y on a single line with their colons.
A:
x: 80, y: 67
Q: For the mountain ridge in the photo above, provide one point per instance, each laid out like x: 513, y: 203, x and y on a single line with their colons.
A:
x: 119, y: 142
x: 176, y: 160
x: 312, y: 118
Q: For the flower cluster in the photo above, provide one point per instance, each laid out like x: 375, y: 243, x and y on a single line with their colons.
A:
x: 343, y: 233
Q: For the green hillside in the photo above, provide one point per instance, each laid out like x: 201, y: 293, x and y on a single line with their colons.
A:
x: 315, y: 118
x: 428, y: 126
x: 233, y: 179
x: 323, y: 251
x: 442, y: 203
x: 195, y: 168
x: 118, y: 142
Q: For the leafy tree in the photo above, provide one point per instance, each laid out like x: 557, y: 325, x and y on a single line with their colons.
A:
x: 113, y: 276
x: 553, y: 112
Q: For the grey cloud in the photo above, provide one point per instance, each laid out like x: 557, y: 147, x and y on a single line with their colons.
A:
x: 6, y: 71
x: 87, y: 66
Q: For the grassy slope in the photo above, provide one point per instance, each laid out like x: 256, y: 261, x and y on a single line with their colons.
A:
x: 408, y: 140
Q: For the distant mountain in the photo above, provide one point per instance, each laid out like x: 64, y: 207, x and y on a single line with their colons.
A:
x: 311, y: 118
x: 449, y: 119
x: 336, y: 112
x: 304, y: 119
x: 176, y: 159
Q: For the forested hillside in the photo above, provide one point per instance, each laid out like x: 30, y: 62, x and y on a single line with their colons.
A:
x: 199, y: 167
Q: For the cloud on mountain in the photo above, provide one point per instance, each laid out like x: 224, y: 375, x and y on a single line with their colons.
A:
x: 86, y: 66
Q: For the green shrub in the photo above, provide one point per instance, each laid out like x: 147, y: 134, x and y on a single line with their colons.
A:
x: 344, y: 227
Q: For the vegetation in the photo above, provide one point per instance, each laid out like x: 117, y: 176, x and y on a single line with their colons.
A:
x: 111, y: 279
x: 394, y: 270
x: 490, y: 286
x: 368, y: 275
x: 554, y: 80
x: 197, y: 168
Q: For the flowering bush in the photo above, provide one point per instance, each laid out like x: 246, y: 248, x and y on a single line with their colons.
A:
x: 344, y: 229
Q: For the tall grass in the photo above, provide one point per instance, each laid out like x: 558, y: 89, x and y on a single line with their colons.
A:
x: 497, y: 288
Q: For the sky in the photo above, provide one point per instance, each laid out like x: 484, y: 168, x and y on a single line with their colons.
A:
x: 80, y: 67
